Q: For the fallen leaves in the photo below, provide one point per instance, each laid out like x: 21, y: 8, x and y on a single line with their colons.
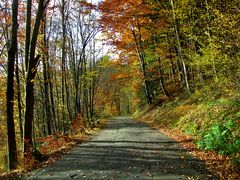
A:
x: 53, y: 147
x: 217, y: 164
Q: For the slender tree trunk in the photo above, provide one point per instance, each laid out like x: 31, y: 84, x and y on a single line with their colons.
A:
x: 173, y: 72
x: 46, y: 78
x: 161, y: 79
x: 141, y: 57
x: 29, y: 94
x: 29, y: 109
x: 63, y: 62
x: 180, y: 48
x: 12, y: 51
x: 92, y: 81
x: 68, y: 98
x: 85, y: 90
x: 19, y: 97
x: 58, y: 97
x: 160, y: 72
x: 145, y: 81
x: 28, y: 33
x: 46, y: 99
x: 53, y: 108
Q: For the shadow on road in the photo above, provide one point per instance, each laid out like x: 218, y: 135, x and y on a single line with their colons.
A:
x: 126, y: 149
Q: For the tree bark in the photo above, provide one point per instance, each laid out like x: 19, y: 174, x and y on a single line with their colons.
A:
x: 28, y: 33
x: 180, y: 48
x: 12, y: 51
x: 63, y: 63
x: 19, y: 97
x: 141, y: 57
x: 29, y: 86
x: 46, y: 78
x: 161, y: 79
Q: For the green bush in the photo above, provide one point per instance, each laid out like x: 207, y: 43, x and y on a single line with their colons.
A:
x: 221, y: 138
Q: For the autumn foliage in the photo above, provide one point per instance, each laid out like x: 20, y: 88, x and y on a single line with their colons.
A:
x: 76, y: 62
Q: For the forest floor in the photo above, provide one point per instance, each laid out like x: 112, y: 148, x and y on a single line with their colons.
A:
x: 126, y: 149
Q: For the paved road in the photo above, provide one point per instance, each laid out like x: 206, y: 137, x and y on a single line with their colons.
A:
x: 126, y: 149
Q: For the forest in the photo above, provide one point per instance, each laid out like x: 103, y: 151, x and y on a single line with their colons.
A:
x: 66, y: 64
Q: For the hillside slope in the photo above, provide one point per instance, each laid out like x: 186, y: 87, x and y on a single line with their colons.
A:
x: 208, y: 127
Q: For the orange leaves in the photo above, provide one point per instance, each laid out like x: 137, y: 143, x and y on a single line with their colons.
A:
x: 217, y: 164
x: 119, y: 76
x: 123, y: 17
x: 87, y: 5
x: 78, y: 124
x: 51, y: 143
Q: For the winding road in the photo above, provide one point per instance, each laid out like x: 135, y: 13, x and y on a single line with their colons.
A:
x: 125, y: 149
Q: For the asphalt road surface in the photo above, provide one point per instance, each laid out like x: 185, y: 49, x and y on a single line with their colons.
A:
x: 126, y: 149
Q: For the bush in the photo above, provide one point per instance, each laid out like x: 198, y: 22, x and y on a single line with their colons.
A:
x: 221, y: 138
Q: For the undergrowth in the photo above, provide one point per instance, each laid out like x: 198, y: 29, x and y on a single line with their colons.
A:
x: 212, y: 120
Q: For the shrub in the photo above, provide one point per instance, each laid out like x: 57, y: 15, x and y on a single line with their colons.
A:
x: 221, y: 138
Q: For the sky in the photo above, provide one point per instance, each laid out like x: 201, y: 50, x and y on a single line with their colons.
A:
x: 105, y: 48
x: 95, y: 1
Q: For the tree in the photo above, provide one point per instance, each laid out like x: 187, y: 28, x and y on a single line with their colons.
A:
x: 179, y: 48
x: 30, y: 75
x: 46, y: 75
x: 127, y: 30
x: 12, y: 52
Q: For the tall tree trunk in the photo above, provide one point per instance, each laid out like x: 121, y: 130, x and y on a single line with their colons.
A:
x: 141, y: 57
x: 58, y: 102
x: 29, y: 90
x: 179, y: 48
x: 54, y: 108
x: 46, y: 78
x: 92, y: 81
x: 67, y: 98
x: 63, y: 62
x: 160, y: 71
x: 145, y: 81
x: 28, y: 33
x: 12, y: 51
x: 85, y: 90
x: 19, y: 97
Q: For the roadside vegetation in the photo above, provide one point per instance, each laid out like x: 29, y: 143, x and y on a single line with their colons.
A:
x: 206, y: 125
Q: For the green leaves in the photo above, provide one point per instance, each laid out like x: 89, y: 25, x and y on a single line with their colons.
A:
x: 221, y: 138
